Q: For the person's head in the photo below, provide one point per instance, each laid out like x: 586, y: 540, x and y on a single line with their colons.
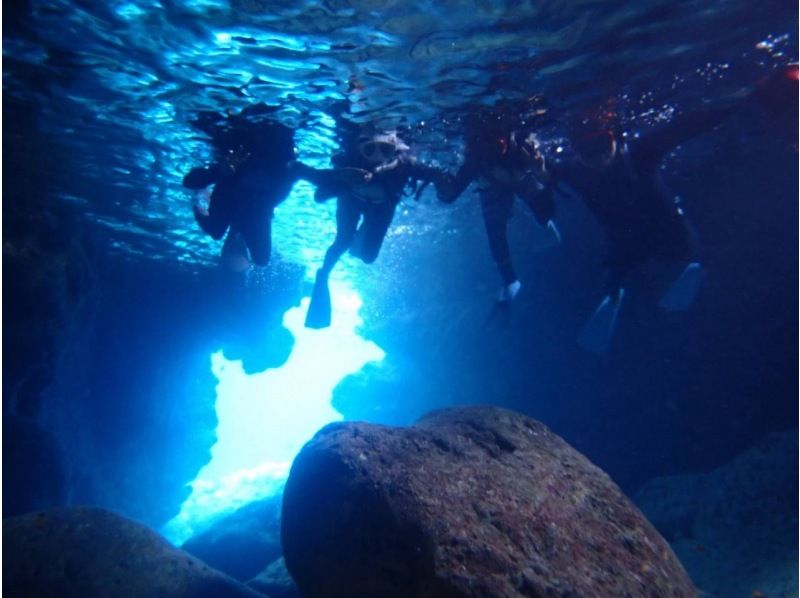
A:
x: 381, y: 148
x: 487, y: 136
x: 595, y: 147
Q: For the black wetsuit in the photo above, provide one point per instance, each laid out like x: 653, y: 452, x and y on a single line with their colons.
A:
x: 374, y: 200
x: 244, y: 200
x: 502, y: 176
x: 641, y: 218
x: 254, y: 172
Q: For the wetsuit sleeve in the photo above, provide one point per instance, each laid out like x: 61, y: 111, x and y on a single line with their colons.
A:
x: 442, y: 180
x: 327, y: 181
x: 315, y: 176
x: 452, y: 187
x: 201, y: 177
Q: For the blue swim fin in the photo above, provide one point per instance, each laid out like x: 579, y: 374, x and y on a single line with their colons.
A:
x: 680, y: 295
x: 319, y: 310
x: 553, y: 230
x: 509, y: 292
x: 597, y: 332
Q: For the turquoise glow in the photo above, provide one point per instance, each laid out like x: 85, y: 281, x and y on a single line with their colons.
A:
x: 266, y: 418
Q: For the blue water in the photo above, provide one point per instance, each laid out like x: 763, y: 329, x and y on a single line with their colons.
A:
x: 122, y: 335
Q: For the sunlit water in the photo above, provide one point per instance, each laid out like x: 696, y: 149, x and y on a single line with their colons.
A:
x: 265, y: 418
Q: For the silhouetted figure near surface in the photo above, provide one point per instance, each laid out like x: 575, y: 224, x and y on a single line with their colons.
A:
x: 254, y: 170
x: 506, y: 163
x: 372, y: 175
x: 619, y: 179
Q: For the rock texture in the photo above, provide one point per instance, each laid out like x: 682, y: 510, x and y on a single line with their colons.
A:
x: 734, y: 528
x: 477, y: 501
x: 275, y: 581
x: 88, y: 552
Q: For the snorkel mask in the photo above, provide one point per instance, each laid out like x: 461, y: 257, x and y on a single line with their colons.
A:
x: 381, y: 148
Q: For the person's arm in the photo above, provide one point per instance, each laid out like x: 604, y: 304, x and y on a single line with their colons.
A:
x: 330, y: 182
x: 416, y: 170
x: 448, y: 187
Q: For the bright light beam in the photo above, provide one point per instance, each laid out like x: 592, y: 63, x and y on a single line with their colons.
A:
x: 266, y: 418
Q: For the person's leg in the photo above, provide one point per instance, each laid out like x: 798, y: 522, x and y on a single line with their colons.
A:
x: 377, y: 219
x: 624, y: 254
x: 257, y: 235
x: 539, y: 201
x: 681, y: 249
x: 234, y: 252
x: 215, y: 221
x: 496, y: 205
x: 347, y: 216
x: 320, y: 310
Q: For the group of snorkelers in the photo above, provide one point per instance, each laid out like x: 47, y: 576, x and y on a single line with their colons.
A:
x: 616, y: 175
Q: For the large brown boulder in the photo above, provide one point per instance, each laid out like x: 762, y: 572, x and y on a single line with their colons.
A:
x: 477, y: 501
x: 90, y: 552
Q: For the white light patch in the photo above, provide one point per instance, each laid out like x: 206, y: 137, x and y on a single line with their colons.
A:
x: 266, y: 418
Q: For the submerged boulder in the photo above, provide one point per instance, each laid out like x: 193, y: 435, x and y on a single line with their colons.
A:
x: 734, y: 528
x: 85, y: 551
x: 477, y: 501
x: 242, y: 544
x: 275, y: 581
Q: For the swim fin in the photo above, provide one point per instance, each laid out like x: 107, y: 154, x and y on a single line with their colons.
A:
x: 319, y: 310
x: 509, y: 292
x: 680, y: 295
x: 597, y: 332
x: 553, y: 230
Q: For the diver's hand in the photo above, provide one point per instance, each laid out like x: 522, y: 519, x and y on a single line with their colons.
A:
x: 199, y: 211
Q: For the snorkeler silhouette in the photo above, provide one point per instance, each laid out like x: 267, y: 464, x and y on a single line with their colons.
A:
x: 374, y: 171
x: 507, y: 163
x: 619, y: 179
x: 254, y: 171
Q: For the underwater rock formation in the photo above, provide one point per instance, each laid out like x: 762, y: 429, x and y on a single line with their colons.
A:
x: 275, y: 581
x: 734, y: 528
x: 34, y: 473
x: 83, y: 551
x: 242, y: 544
x: 477, y: 501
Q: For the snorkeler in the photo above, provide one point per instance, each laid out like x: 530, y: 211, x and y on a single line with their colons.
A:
x: 506, y: 163
x: 374, y: 171
x: 619, y: 179
x: 254, y: 171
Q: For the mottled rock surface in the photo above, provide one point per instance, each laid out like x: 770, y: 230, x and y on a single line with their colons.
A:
x: 275, y: 581
x: 734, y: 528
x: 477, y: 501
x: 88, y: 552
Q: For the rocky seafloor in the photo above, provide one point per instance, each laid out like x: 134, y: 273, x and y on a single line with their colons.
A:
x: 476, y: 501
